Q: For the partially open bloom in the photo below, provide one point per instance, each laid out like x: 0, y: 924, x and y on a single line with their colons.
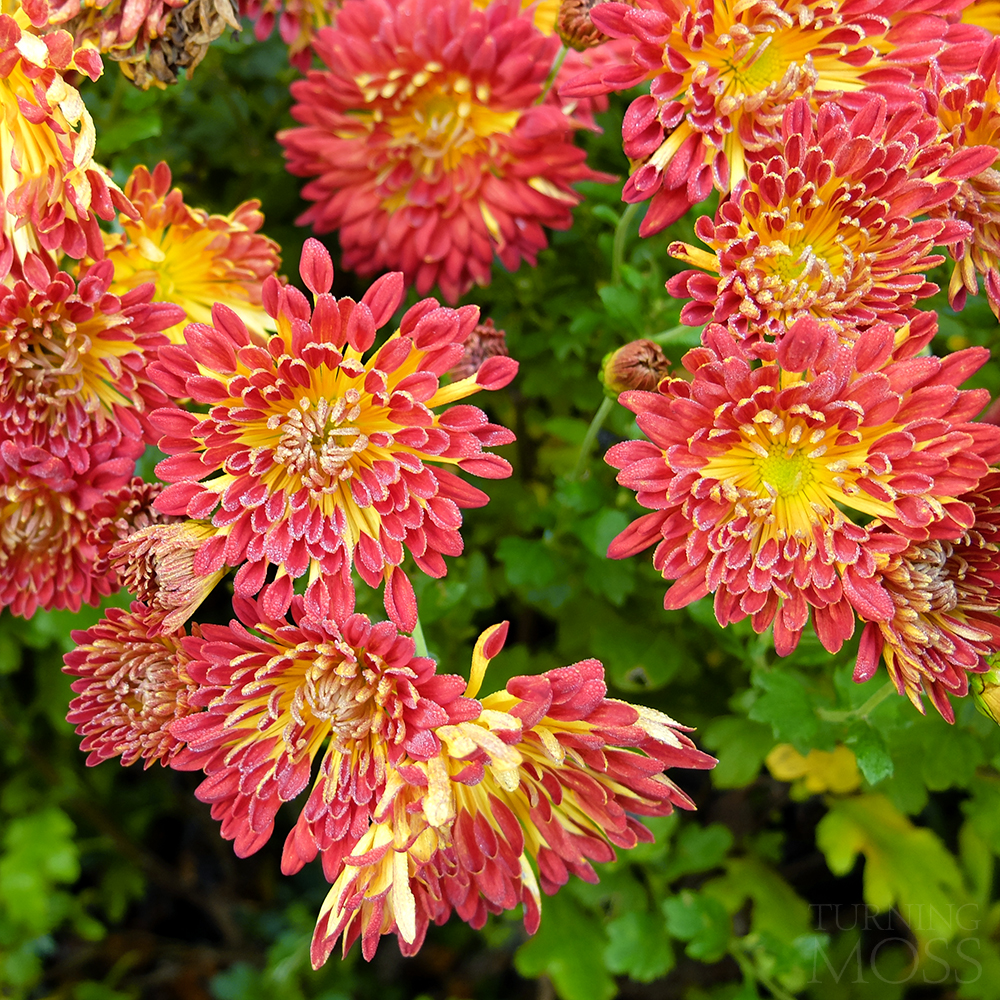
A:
x: 53, y: 191
x: 278, y: 695
x: 131, y: 687
x: 430, y: 152
x: 312, y: 458
x: 47, y: 493
x: 484, y: 342
x: 946, y: 596
x: 969, y: 112
x: 152, y: 40
x: 575, y: 27
x: 761, y: 479
x: 119, y: 514
x: 639, y: 364
x: 73, y: 356
x: 723, y: 73
x: 825, y: 225
x: 195, y: 259
x: 551, y: 775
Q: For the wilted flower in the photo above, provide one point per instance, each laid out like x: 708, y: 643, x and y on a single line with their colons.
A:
x: 278, y: 695
x: 969, y: 112
x: 131, y: 687
x: 761, y: 479
x: 311, y: 458
x: 118, y: 515
x: 53, y: 191
x: 824, y: 225
x: 485, y: 342
x: 639, y: 364
x: 552, y: 774
x: 722, y: 76
x: 195, y: 259
x: 73, y: 356
x: 47, y: 558
x: 431, y: 153
x: 946, y: 595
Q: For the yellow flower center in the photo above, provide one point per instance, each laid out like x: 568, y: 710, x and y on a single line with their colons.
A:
x: 787, y: 471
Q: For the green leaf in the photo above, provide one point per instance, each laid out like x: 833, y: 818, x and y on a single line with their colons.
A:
x: 638, y: 947
x: 786, y: 708
x: 905, y: 866
x: 871, y: 753
x: 741, y: 746
x: 701, y: 921
x: 697, y: 849
x: 527, y: 562
x: 569, y: 949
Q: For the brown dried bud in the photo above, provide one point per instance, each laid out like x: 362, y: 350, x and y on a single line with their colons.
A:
x: 638, y: 365
x: 575, y: 26
x: 485, y: 341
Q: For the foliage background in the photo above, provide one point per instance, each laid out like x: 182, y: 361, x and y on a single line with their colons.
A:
x: 114, y: 883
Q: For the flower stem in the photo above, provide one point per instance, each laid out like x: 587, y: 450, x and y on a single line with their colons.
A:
x: 418, y: 638
x: 862, y: 711
x: 553, y: 73
x: 588, y: 439
x: 618, y: 247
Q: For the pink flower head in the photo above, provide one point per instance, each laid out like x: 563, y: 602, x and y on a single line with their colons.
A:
x: 310, y: 456
x: 131, y: 688
x: 551, y: 776
x: 723, y: 74
x: 826, y: 225
x: 761, y: 478
x: 428, y: 144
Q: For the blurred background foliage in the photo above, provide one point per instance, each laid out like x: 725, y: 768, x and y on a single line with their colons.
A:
x: 844, y: 847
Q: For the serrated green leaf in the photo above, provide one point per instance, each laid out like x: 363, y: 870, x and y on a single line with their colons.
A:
x: 701, y: 921
x: 698, y: 849
x: 741, y: 746
x: 871, y: 753
x: 638, y: 947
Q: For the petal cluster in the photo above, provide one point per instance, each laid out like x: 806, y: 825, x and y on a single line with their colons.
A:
x: 428, y: 146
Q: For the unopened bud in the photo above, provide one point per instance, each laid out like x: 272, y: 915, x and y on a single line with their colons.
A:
x: 638, y: 365
x: 985, y: 691
x: 485, y: 341
x: 575, y: 26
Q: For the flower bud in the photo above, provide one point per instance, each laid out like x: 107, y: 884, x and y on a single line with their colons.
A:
x: 638, y: 365
x: 485, y: 341
x: 985, y: 691
x: 575, y: 26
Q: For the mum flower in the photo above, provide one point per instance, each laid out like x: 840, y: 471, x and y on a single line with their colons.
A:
x: 983, y: 14
x: 946, y: 595
x: 551, y: 776
x: 278, y: 695
x: 312, y: 458
x: 969, y: 113
x: 824, y: 225
x: 195, y: 259
x: 429, y: 150
x: 53, y: 191
x: 723, y: 73
x: 297, y: 20
x: 47, y: 494
x: 131, y: 687
x: 760, y: 479
x: 120, y: 514
x: 73, y: 356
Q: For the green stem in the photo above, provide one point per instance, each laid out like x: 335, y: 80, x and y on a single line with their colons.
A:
x: 553, y: 73
x: 588, y: 439
x: 418, y: 638
x: 862, y: 711
x: 751, y: 972
x: 618, y: 247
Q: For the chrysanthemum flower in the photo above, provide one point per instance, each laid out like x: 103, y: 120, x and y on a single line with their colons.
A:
x: 761, y: 479
x: 53, y: 191
x: 278, y: 695
x: 311, y: 458
x: 130, y: 688
x: 551, y: 776
x: 47, y: 493
x: 152, y: 40
x: 969, y: 112
x: 485, y: 342
x: 946, y: 595
x: 119, y: 514
x: 544, y: 13
x: 824, y: 225
x: 195, y: 259
x: 723, y: 73
x: 429, y: 150
x: 73, y: 356
x: 983, y: 14
x: 297, y: 20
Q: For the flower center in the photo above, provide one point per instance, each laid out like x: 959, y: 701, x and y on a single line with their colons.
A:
x: 939, y: 573
x: 318, y: 440
x: 755, y: 64
x: 786, y: 470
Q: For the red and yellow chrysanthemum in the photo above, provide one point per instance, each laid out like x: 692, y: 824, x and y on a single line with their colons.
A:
x: 946, y: 595
x: 723, y: 73
x: 549, y: 777
x: 277, y: 696
x: 969, y: 113
x: 131, y: 687
x: 761, y: 479
x: 194, y: 259
x: 429, y: 150
x: 825, y: 225
x: 312, y: 458
x: 983, y: 14
x: 53, y: 191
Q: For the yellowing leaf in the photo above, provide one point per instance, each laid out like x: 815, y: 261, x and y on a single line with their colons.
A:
x: 818, y: 772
